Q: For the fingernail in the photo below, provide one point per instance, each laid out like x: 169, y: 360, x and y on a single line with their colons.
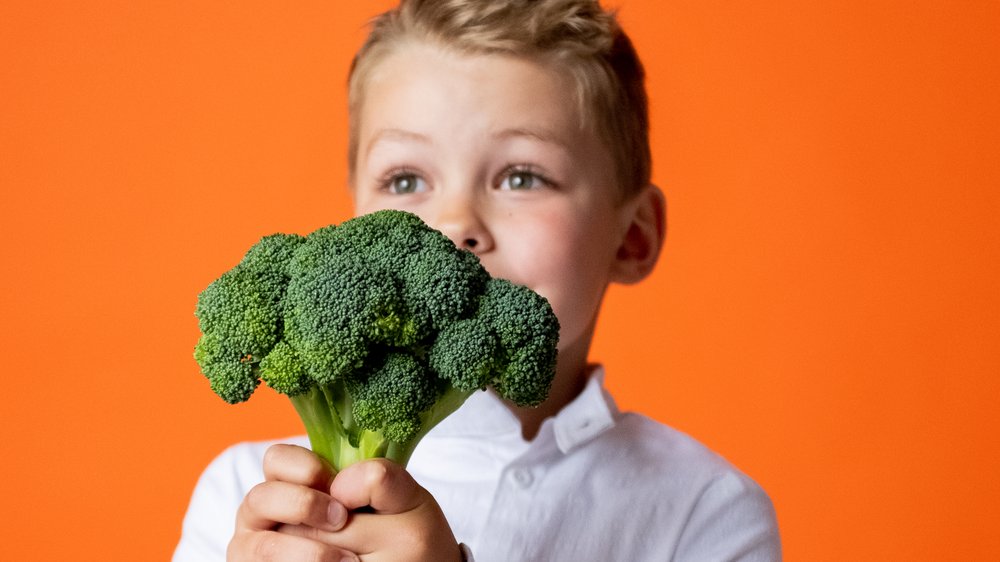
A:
x: 336, y: 514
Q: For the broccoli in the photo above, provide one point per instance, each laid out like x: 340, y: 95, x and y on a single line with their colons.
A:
x: 376, y: 329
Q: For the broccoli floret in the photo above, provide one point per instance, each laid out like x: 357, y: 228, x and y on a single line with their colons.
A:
x: 377, y: 329
x: 240, y: 317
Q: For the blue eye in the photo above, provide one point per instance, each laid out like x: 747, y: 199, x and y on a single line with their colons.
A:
x: 522, y: 180
x: 402, y: 184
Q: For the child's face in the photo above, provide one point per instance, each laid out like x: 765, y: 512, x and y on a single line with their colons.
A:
x: 489, y: 150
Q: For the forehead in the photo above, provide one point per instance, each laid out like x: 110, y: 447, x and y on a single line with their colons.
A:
x: 420, y: 86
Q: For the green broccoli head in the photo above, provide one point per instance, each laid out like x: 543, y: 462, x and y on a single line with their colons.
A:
x: 240, y: 317
x: 467, y: 354
x: 376, y: 329
x: 528, y: 332
x: 393, y: 395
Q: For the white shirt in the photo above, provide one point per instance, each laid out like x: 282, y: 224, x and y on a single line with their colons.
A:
x: 595, y: 484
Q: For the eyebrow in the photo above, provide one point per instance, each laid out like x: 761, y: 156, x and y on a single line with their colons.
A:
x: 393, y: 134
x: 396, y: 135
x: 537, y: 134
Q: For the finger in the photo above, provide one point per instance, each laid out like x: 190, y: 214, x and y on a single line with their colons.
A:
x: 390, y: 537
x: 339, y: 540
x: 272, y: 546
x: 291, y: 463
x: 379, y: 483
x: 271, y: 503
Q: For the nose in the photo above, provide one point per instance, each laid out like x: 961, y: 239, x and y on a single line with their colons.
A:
x: 461, y: 220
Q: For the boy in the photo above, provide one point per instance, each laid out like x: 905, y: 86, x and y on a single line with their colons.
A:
x: 519, y: 129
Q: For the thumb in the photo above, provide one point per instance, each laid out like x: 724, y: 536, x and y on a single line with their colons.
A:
x: 380, y: 484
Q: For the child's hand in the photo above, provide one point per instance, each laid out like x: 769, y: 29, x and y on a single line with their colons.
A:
x: 400, y: 521
x: 299, y: 513
x: 294, y: 494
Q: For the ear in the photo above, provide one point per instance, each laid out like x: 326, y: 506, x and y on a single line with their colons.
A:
x: 645, y: 226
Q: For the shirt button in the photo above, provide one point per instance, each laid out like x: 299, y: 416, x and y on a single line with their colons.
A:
x: 522, y: 477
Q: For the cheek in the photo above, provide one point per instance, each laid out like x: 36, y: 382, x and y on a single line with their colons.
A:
x: 567, y: 268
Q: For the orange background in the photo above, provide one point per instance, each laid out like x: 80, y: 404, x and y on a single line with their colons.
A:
x: 826, y: 314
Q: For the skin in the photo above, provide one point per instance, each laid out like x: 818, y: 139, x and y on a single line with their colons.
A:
x: 486, y: 149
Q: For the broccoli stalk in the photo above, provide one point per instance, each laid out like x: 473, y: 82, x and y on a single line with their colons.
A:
x: 376, y: 329
x: 344, y: 444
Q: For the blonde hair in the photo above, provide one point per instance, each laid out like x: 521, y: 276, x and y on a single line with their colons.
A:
x: 578, y: 35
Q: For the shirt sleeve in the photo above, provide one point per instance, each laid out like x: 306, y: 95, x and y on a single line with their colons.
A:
x: 211, y: 516
x: 733, y: 520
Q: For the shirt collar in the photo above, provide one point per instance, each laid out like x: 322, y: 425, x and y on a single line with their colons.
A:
x: 591, y: 413
x: 482, y: 415
x: 587, y: 416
